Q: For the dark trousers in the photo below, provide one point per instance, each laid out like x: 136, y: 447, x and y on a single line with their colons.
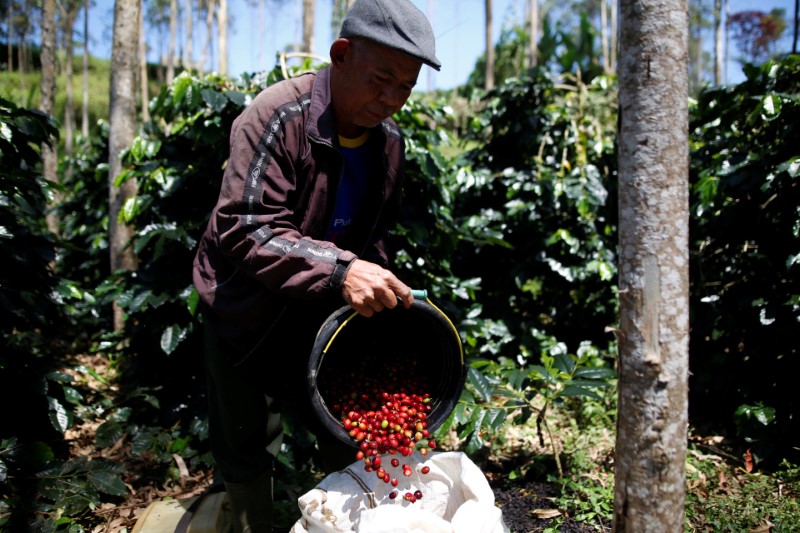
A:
x: 248, y: 394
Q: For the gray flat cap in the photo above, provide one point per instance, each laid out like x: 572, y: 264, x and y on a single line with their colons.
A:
x: 398, y: 24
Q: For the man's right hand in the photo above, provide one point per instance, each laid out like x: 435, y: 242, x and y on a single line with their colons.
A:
x: 369, y: 288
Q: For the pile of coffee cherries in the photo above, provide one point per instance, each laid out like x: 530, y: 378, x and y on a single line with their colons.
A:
x: 385, y: 413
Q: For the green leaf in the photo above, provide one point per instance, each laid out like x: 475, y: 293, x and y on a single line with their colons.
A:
x: 214, y: 99
x: 59, y: 416
x: 72, y: 395
x: 539, y: 369
x: 193, y: 301
x: 237, y: 97
x: 575, y: 390
x: 108, y: 433
x: 595, y: 373
x: 494, y: 419
x: 171, y: 338
x: 480, y: 383
x: 128, y: 211
x: 770, y: 106
x: 108, y: 483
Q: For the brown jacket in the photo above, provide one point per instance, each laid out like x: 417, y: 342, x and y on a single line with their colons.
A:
x: 262, y: 248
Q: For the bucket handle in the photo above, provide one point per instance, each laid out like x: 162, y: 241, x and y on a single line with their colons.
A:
x: 420, y: 294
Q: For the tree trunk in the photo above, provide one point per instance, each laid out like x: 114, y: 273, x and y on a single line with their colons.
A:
x: 9, y: 33
x: 21, y: 55
x: 122, y: 128
x: 604, y: 44
x: 489, y: 81
x: 718, y: 56
x: 209, y: 34
x: 222, y: 29
x: 48, y: 88
x: 187, y: 60
x: 533, y: 51
x: 143, y: 76
x: 308, y: 25
x: 727, y: 42
x: 614, y: 34
x: 69, y: 104
x: 796, y: 23
x: 173, y: 36
x: 85, y: 106
x: 653, y: 274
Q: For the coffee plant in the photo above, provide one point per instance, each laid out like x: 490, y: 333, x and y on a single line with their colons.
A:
x: 745, y: 234
x: 509, y: 225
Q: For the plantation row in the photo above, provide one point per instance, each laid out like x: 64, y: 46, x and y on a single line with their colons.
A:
x: 509, y: 221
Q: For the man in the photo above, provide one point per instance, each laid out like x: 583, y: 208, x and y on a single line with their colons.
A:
x: 311, y: 186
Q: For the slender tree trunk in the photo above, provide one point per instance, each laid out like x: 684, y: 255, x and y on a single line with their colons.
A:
x: 173, y: 36
x: 209, y: 34
x: 308, y: 25
x: 10, y: 32
x: 21, y: 55
x: 533, y: 28
x: 122, y: 128
x: 796, y: 23
x: 187, y: 60
x: 653, y: 277
x: 604, y: 36
x: 489, y: 82
x: 85, y: 106
x: 48, y: 88
x: 727, y: 42
x: 143, y: 76
x: 614, y: 33
x: 718, y: 56
x: 222, y: 28
x: 69, y: 105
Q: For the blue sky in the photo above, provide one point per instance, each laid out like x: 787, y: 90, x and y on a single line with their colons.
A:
x: 458, y: 25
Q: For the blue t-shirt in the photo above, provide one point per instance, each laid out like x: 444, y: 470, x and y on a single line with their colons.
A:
x: 352, y: 187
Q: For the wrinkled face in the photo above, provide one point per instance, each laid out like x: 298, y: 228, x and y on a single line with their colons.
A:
x: 369, y: 83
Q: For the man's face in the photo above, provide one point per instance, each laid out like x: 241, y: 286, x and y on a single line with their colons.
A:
x: 370, y: 83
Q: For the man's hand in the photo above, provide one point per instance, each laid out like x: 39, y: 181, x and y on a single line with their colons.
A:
x: 369, y: 288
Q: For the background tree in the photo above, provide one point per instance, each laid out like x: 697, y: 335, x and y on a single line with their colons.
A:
x: 85, y: 72
x: 48, y: 88
x: 208, y: 6
x: 222, y: 37
x: 719, y: 55
x: 144, y: 95
x: 187, y: 47
x: 489, y: 68
x: 699, y: 21
x: 69, y: 10
x: 309, y: 9
x: 122, y: 122
x: 756, y: 33
x: 533, y: 29
x: 173, y: 37
x: 653, y: 271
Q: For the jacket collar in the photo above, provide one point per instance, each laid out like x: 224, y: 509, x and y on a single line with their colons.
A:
x: 321, y: 121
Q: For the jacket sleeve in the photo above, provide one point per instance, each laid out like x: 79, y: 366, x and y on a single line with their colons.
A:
x: 257, y: 228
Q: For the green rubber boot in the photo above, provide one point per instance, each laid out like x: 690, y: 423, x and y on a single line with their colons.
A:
x: 251, y: 505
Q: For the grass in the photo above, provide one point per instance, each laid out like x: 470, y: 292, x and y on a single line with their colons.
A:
x: 721, y: 494
x: 26, y: 92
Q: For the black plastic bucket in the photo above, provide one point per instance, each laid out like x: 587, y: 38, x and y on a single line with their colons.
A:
x: 422, y: 331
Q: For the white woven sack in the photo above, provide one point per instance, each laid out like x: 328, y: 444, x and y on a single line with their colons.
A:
x: 456, y: 499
